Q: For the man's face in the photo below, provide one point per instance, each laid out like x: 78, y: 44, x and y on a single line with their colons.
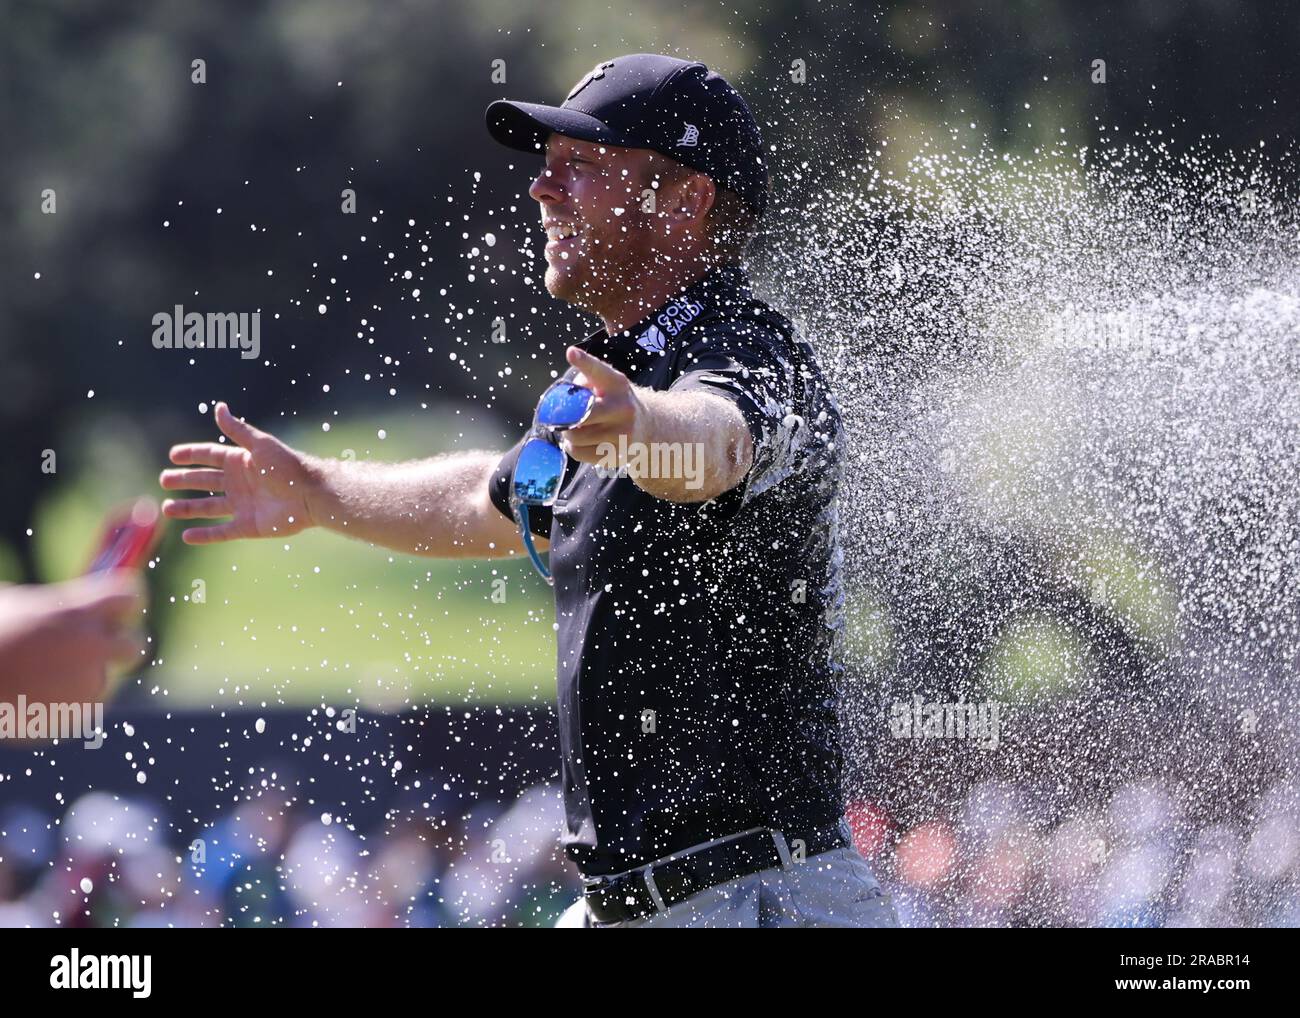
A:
x: 599, y: 238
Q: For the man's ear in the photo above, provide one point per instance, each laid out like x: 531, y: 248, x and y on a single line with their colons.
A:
x: 688, y: 199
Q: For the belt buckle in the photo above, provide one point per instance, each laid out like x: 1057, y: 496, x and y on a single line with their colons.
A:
x: 647, y: 871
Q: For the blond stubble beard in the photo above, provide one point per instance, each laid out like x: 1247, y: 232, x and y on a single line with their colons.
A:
x: 588, y: 287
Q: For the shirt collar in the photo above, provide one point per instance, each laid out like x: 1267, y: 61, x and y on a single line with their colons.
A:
x: 662, y: 327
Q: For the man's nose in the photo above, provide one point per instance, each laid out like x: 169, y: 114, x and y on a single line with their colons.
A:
x: 545, y: 189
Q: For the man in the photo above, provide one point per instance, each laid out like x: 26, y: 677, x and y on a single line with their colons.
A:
x: 693, y: 537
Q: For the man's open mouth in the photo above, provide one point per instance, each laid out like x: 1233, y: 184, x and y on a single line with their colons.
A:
x: 560, y: 232
x: 561, y: 239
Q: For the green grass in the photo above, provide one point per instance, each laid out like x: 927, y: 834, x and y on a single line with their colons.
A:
x: 319, y: 617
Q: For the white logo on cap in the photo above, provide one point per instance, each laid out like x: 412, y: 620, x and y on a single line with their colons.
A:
x: 691, y: 137
x: 596, y: 72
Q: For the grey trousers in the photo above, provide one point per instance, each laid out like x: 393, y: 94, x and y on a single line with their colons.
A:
x: 833, y: 889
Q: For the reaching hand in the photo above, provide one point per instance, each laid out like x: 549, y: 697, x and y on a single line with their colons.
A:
x: 57, y: 640
x: 616, y: 411
x: 263, y: 484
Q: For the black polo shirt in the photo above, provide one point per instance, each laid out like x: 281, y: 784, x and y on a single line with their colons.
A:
x: 696, y: 674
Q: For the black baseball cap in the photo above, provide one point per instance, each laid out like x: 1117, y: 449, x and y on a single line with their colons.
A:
x: 675, y: 107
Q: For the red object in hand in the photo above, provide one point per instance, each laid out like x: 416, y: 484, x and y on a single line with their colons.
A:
x: 129, y: 537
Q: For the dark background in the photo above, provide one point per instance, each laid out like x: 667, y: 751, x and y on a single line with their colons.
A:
x: 97, y: 103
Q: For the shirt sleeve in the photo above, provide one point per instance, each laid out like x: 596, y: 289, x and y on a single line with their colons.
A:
x: 749, y: 362
x: 539, y: 517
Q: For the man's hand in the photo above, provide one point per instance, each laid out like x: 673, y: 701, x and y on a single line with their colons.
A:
x: 262, y: 484
x: 685, y: 446
x: 618, y: 410
x: 57, y: 640
x: 434, y: 507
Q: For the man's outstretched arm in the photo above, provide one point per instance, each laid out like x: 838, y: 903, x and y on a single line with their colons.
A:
x: 264, y: 488
x: 702, y: 439
x: 436, y: 507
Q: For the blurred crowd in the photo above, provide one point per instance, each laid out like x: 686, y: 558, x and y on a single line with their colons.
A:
x: 1133, y: 859
x: 109, y: 860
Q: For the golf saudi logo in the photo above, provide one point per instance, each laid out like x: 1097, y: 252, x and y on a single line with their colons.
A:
x: 653, y: 340
x: 678, y: 315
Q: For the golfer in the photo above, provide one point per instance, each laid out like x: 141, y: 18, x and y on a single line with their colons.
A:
x: 682, y: 476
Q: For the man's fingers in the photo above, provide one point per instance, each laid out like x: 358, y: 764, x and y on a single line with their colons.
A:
x: 193, y: 480
x: 199, y: 454
x: 105, y: 613
x: 599, y: 376
x: 592, y: 434
x: 606, y: 411
x: 116, y: 608
x: 196, y: 508
x: 124, y: 645
x: 99, y: 645
x: 211, y: 535
x: 108, y: 595
x: 239, y: 432
x: 129, y: 646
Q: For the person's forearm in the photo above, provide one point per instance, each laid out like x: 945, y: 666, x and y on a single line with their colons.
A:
x: 684, y: 446
x: 438, y: 507
x: 698, y: 443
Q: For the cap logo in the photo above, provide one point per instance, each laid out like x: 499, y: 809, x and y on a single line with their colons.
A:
x: 596, y: 72
x: 691, y: 137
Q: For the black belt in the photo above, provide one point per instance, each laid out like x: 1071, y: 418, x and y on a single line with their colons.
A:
x: 666, y: 882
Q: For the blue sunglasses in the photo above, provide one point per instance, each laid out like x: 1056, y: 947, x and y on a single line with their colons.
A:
x: 540, y: 466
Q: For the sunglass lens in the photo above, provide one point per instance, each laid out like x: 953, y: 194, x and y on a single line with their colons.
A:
x: 538, y: 472
x: 563, y: 405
